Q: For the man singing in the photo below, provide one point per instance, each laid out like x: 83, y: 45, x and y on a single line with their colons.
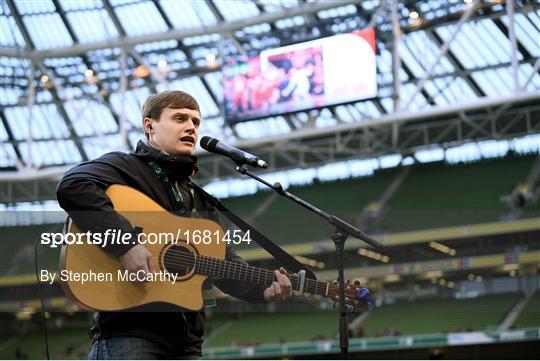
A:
x: 160, y: 167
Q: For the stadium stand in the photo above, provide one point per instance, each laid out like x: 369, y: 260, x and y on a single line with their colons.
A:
x: 435, y: 152
x: 439, y: 315
x: 257, y: 328
x: 431, y: 196
x: 328, y: 196
x: 530, y: 316
x: 63, y: 344
x: 17, y: 248
x: 438, y: 195
x: 421, y: 316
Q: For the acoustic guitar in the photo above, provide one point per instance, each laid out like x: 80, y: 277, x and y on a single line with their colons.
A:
x: 183, y: 263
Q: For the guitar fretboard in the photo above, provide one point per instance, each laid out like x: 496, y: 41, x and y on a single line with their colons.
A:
x: 218, y: 268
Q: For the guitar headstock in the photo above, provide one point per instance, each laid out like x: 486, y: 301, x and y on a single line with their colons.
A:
x: 355, y: 295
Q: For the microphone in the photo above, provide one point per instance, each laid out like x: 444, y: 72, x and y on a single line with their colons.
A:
x: 238, y: 156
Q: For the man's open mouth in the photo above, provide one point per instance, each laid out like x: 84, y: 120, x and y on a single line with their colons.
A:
x: 188, y: 139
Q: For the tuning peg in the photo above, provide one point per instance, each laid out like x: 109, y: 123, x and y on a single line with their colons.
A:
x: 362, y: 294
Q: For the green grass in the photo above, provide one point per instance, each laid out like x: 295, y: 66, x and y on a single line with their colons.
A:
x: 530, y: 316
x: 440, y: 315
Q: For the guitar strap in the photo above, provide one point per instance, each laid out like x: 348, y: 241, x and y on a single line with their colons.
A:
x: 288, y: 261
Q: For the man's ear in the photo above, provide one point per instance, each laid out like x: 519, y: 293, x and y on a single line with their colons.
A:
x: 148, y: 125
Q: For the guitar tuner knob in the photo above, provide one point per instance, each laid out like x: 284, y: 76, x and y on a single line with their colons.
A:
x: 362, y: 294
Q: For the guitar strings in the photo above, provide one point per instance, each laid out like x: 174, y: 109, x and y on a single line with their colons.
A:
x: 215, y: 264
x: 209, y: 263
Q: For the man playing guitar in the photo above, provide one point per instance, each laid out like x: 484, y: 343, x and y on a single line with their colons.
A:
x: 160, y: 167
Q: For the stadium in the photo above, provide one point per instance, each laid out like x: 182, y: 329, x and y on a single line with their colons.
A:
x: 416, y: 122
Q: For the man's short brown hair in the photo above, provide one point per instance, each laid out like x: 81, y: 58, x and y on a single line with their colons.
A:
x: 154, y: 105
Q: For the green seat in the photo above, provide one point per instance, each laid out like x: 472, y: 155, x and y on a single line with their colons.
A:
x: 439, y: 315
x: 277, y: 327
x: 530, y: 315
x: 438, y: 195
x: 286, y: 222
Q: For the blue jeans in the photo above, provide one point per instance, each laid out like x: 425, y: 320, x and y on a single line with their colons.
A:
x: 132, y: 348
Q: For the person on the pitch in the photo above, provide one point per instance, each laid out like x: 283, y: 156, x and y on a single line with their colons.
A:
x: 160, y: 167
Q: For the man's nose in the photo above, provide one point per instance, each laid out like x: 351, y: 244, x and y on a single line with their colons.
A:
x: 191, y: 127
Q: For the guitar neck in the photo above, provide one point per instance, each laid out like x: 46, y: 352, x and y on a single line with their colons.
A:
x: 218, y: 268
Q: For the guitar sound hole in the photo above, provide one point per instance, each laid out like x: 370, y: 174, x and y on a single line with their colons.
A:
x: 179, y: 259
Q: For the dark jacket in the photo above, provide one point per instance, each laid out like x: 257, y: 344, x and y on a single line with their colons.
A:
x: 81, y: 193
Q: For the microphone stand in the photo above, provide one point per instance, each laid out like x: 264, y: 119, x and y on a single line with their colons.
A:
x: 342, y: 231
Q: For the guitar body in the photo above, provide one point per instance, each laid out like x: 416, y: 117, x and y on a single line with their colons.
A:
x: 118, y: 294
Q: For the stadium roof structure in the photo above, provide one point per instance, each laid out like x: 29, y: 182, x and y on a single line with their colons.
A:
x: 74, y: 75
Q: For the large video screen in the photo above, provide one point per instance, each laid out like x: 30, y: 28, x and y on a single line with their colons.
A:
x: 327, y: 71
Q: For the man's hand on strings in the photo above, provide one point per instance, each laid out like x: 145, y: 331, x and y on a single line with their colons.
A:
x: 280, y: 289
